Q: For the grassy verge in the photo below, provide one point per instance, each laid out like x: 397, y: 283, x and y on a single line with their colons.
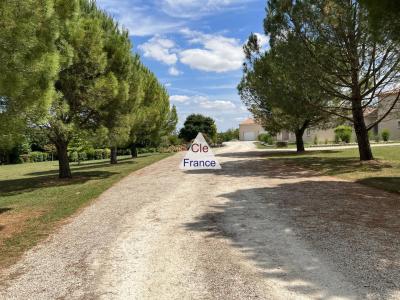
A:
x: 384, y: 173
x: 33, y: 200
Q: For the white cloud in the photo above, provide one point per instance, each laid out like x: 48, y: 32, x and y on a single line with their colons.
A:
x: 140, y: 18
x: 198, y: 8
x: 219, y: 54
x: 204, y: 102
x: 217, y: 104
x: 222, y: 87
x: 179, y: 98
x: 174, y: 71
x: 160, y: 49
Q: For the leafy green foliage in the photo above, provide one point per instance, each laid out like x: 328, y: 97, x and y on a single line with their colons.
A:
x: 266, y: 138
x: 384, y: 17
x: 385, y: 135
x: 349, y: 61
x: 196, y: 123
x: 343, y: 133
x: 69, y: 71
x: 276, y: 92
x: 229, y: 135
x: 28, y: 56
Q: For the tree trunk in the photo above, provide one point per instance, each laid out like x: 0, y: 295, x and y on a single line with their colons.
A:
x: 364, y: 146
x: 360, y: 128
x: 134, y: 151
x: 113, y: 158
x: 299, y: 141
x: 299, y: 136
x: 64, y: 170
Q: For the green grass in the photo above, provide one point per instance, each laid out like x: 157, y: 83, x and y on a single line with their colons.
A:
x: 33, y: 200
x: 384, y: 173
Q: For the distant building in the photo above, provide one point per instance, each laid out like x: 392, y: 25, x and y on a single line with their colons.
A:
x: 392, y: 121
x: 249, y: 130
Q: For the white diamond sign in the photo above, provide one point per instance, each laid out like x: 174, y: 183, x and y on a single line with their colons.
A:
x: 199, y: 156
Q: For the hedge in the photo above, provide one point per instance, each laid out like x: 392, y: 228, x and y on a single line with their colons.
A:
x: 95, y: 154
x: 34, y: 157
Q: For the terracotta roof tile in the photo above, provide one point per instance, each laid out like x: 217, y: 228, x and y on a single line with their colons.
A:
x: 248, y: 121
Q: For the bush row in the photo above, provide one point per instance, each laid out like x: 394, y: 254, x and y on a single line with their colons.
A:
x: 35, y: 157
x: 172, y: 149
x: 95, y: 154
x: 74, y: 156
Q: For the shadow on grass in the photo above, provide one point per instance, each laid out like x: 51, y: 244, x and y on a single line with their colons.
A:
x: 324, y: 165
x: 4, y: 209
x: 75, y: 167
x: 334, y: 165
x: 23, y: 185
x: 274, y: 153
x: 391, y: 184
x: 293, y: 230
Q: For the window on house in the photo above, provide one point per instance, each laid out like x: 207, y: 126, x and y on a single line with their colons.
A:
x: 308, y: 132
x: 398, y: 124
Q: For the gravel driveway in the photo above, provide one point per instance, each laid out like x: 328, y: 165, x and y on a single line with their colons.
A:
x: 253, y: 230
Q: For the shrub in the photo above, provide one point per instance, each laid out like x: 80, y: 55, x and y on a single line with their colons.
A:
x: 73, y: 156
x: 266, y: 138
x: 377, y: 138
x: 98, y: 153
x: 91, y: 154
x: 315, y: 140
x: 171, y: 149
x: 124, y: 152
x: 282, y: 144
x: 38, y: 156
x: 326, y: 141
x: 107, y: 153
x: 82, y: 156
x: 385, y: 135
x: 343, y: 133
x: 174, y: 140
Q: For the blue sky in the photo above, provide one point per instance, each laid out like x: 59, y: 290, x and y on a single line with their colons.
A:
x: 195, y: 49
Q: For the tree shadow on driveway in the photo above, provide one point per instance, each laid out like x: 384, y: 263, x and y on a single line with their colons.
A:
x: 300, y: 228
x: 350, y: 230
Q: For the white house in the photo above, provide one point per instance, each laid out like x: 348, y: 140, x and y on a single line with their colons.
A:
x: 249, y: 130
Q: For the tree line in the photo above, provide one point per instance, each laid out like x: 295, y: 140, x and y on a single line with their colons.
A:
x: 327, y: 62
x: 69, y: 73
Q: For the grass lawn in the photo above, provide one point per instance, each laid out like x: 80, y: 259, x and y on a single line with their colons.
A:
x: 384, y: 173
x: 33, y: 200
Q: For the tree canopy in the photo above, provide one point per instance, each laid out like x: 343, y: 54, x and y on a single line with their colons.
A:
x: 68, y: 69
x: 328, y: 54
x: 275, y: 91
x: 196, y: 123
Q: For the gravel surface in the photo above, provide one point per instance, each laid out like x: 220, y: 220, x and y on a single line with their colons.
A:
x: 253, y: 230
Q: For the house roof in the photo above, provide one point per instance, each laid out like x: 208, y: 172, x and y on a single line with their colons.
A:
x: 369, y: 111
x: 248, y: 121
x: 388, y: 93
